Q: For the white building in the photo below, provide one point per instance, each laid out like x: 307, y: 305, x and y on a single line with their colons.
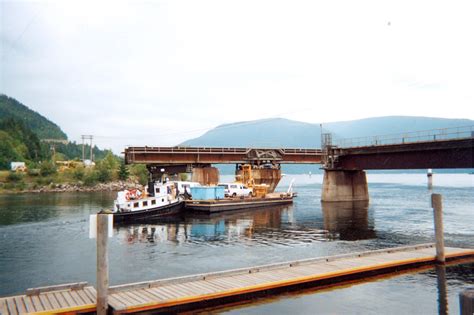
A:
x: 18, y: 166
x: 88, y: 163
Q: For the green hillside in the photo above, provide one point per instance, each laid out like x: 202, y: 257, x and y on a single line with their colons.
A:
x: 19, y: 143
x: 279, y: 132
x: 41, y: 126
x: 21, y: 131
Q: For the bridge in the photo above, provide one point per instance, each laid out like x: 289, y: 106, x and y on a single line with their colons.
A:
x: 344, y: 160
x: 212, y: 155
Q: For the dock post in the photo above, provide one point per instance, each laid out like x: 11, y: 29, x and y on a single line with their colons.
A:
x: 466, y: 301
x: 102, y: 264
x: 437, y: 204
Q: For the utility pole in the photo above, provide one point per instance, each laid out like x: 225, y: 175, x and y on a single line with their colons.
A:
x: 53, y: 149
x: 91, y: 149
x: 87, y: 137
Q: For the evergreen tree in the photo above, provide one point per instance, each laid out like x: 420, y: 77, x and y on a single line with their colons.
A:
x: 123, y: 172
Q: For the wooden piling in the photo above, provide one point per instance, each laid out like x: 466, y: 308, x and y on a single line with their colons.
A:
x: 429, y: 175
x: 466, y: 301
x: 437, y: 204
x: 102, y: 264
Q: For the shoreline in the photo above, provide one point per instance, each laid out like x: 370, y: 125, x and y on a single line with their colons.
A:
x: 57, y: 188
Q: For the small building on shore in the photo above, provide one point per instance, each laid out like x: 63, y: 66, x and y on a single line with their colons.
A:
x: 18, y: 166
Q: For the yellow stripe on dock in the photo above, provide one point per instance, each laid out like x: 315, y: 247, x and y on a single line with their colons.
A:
x: 63, y: 299
x: 161, y: 294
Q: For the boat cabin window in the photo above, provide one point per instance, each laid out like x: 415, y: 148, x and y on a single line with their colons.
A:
x: 153, y: 202
x: 136, y: 204
x: 145, y: 203
x: 157, y: 190
x: 162, y: 199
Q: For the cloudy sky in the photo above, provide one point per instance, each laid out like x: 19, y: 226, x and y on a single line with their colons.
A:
x: 160, y: 72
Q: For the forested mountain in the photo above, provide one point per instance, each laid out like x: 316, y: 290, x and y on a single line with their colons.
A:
x: 21, y: 131
x: 41, y: 126
x: 279, y: 132
x: 19, y: 143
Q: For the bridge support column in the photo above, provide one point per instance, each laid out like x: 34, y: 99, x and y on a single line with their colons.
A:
x: 269, y: 176
x: 344, y: 186
x: 205, y: 175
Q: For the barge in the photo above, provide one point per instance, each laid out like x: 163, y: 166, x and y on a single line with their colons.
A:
x: 230, y: 204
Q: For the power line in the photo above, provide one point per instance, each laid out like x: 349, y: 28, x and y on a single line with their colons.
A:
x: 30, y: 22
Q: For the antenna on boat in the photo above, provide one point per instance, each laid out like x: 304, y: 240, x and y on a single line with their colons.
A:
x: 290, y: 188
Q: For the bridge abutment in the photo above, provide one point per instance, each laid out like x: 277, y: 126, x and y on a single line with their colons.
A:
x: 343, y: 185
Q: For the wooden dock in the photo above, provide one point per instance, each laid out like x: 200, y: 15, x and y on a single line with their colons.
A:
x: 220, y: 287
x: 60, y: 299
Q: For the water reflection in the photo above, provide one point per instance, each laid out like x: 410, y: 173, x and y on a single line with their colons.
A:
x: 348, y: 220
x: 442, y: 289
x: 206, y: 227
x: 154, y: 233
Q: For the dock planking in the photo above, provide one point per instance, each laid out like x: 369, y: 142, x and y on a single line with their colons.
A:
x: 61, y: 299
x: 196, y: 290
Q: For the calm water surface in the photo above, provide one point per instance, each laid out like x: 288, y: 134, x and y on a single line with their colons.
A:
x: 44, y: 240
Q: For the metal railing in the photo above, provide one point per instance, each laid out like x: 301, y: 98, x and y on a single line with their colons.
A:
x: 210, y: 150
x: 464, y: 132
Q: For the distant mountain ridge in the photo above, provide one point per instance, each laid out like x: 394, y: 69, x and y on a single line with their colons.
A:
x: 10, y: 108
x: 280, y: 132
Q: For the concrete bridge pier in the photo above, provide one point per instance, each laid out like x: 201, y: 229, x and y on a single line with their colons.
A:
x: 344, y: 185
x: 206, y: 175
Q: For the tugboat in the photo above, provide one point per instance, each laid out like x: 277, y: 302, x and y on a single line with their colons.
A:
x: 158, y: 199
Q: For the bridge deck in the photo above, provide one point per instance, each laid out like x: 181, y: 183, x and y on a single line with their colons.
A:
x: 214, y: 155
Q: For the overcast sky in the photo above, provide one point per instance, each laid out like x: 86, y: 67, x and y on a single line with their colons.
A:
x: 161, y: 72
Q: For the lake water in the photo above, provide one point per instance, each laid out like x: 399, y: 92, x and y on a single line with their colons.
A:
x: 44, y: 241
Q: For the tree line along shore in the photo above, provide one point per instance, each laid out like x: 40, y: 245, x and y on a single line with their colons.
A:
x: 109, y: 173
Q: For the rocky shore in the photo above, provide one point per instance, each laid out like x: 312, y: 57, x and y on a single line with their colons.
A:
x: 79, y: 187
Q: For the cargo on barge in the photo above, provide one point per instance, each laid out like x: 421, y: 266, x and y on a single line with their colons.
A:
x: 229, y: 204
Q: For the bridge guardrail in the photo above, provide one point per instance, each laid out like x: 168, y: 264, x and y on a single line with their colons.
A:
x: 132, y: 150
x: 464, y: 132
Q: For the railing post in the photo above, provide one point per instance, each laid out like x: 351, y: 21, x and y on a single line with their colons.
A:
x: 102, y: 263
x: 437, y: 204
